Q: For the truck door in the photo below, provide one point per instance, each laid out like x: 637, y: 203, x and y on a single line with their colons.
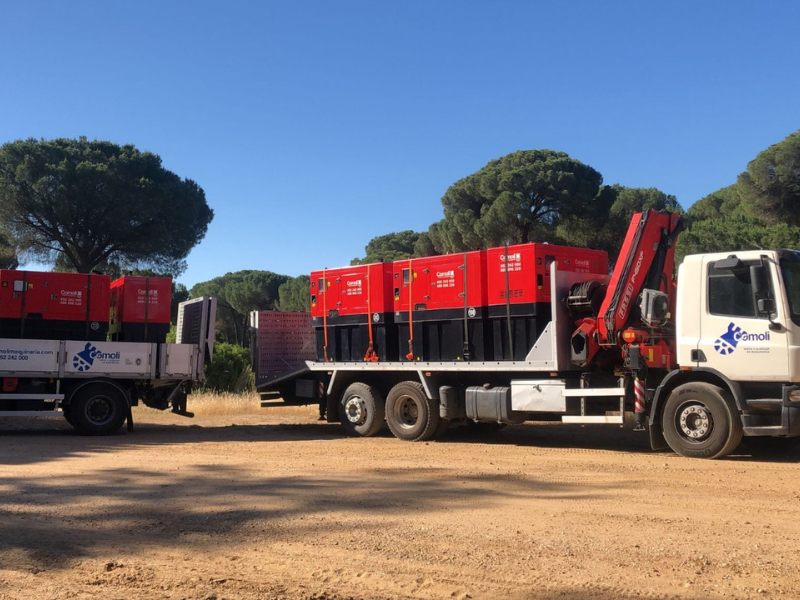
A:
x: 735, y: 334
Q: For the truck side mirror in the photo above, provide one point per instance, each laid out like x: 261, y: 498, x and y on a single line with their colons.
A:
x: 760, y: 280
x: 766, y: 306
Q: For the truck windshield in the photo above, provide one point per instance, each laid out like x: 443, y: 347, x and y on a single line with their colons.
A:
x: 790, y: 269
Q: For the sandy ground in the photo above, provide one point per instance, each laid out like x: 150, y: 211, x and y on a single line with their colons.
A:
x: 270, y: 503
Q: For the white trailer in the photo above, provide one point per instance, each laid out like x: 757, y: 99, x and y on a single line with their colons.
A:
x: 93, y: 385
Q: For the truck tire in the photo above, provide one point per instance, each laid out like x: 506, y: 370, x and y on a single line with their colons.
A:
x: 361, y: 410
x: 98, y: 409
x: 700, y: 420
x: 410, y: 414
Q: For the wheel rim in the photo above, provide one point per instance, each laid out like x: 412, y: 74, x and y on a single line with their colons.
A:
x: 100, y: 410
x: 355, y: 410
x: 694, y: 422
x: 406, y: 412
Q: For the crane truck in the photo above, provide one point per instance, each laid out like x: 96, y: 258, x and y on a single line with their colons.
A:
x: 701, y: 359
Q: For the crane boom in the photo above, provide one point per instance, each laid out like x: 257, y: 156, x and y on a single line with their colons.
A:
x: 646, y: 262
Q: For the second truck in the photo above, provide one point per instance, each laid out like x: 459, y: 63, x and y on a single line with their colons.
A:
x: 540, y: 332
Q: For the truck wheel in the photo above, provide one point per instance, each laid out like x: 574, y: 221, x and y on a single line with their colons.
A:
x: 98, y: 409
x: 411, y: 415
x: 700, y: 420
x: 361, y: 410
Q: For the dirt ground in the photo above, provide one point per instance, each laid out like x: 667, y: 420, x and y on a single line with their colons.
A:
x: 270, y: 503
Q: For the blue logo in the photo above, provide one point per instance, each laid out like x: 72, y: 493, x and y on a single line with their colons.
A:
x: 728, y: 341
x: 84, y: 360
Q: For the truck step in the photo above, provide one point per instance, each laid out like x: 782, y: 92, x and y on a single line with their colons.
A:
x: 31, y: 413
x: 31, y: 396
x: 765, y: 430
x: 765, y: 401
x: 593, y: 392
x: 594, y: 419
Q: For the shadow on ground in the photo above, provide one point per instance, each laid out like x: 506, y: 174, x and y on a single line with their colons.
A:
x: 64, y: 441
x: 54, y: 519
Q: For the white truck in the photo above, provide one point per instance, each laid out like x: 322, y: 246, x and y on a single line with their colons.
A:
x: 93, y: 384
x: 701, y: 361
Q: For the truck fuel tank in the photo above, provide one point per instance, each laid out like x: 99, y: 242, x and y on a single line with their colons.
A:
x: 491, y: 405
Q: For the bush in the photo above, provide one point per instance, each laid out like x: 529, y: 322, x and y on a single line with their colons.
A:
x: 230, y: 370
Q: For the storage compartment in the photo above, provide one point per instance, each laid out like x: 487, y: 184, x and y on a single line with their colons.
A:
x: 140, y: 309
x: 538, y: 395
x: 491, y: 405
x: 40, y: 305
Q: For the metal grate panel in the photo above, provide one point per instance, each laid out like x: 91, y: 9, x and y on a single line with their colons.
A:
x: 284, y: 341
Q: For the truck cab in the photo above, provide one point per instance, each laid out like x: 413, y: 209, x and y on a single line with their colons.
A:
x: 739, y: 314
x: 738, y: 347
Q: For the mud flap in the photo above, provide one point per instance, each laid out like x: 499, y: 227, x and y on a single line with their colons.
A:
x: 657, y: 441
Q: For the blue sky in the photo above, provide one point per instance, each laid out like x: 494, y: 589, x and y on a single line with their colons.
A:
x: 315, y: 126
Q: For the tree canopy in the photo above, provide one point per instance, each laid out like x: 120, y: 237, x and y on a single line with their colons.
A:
x: 389, y: 247
x: 526, y: 196
x: 517, y: 198
x: 237, y: 294
x: 95, y: 202
x: 8, y: 254
x: 605, y: 222
x: 295, y: 294
x: 770, y: 187
x: 761, y: 210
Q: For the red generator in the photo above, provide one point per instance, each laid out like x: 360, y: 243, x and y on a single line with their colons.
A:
x: 518, y: 289
x: 439, y: 304
x: 351, y: 311
x: 141, y: 308
x: 55, y: 306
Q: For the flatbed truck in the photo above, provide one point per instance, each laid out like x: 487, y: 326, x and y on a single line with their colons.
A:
x: 94, y: 384
x: 701, y: 360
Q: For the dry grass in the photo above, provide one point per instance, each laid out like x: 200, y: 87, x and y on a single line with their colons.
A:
x: 217, y: 406
x: 224, y: 403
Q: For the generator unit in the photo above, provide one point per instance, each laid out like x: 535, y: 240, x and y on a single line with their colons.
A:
x: 518, y: 291
x: 351, y: 312
x: 67, y: 306
x: 140, y: 309
x: 439, y: 307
